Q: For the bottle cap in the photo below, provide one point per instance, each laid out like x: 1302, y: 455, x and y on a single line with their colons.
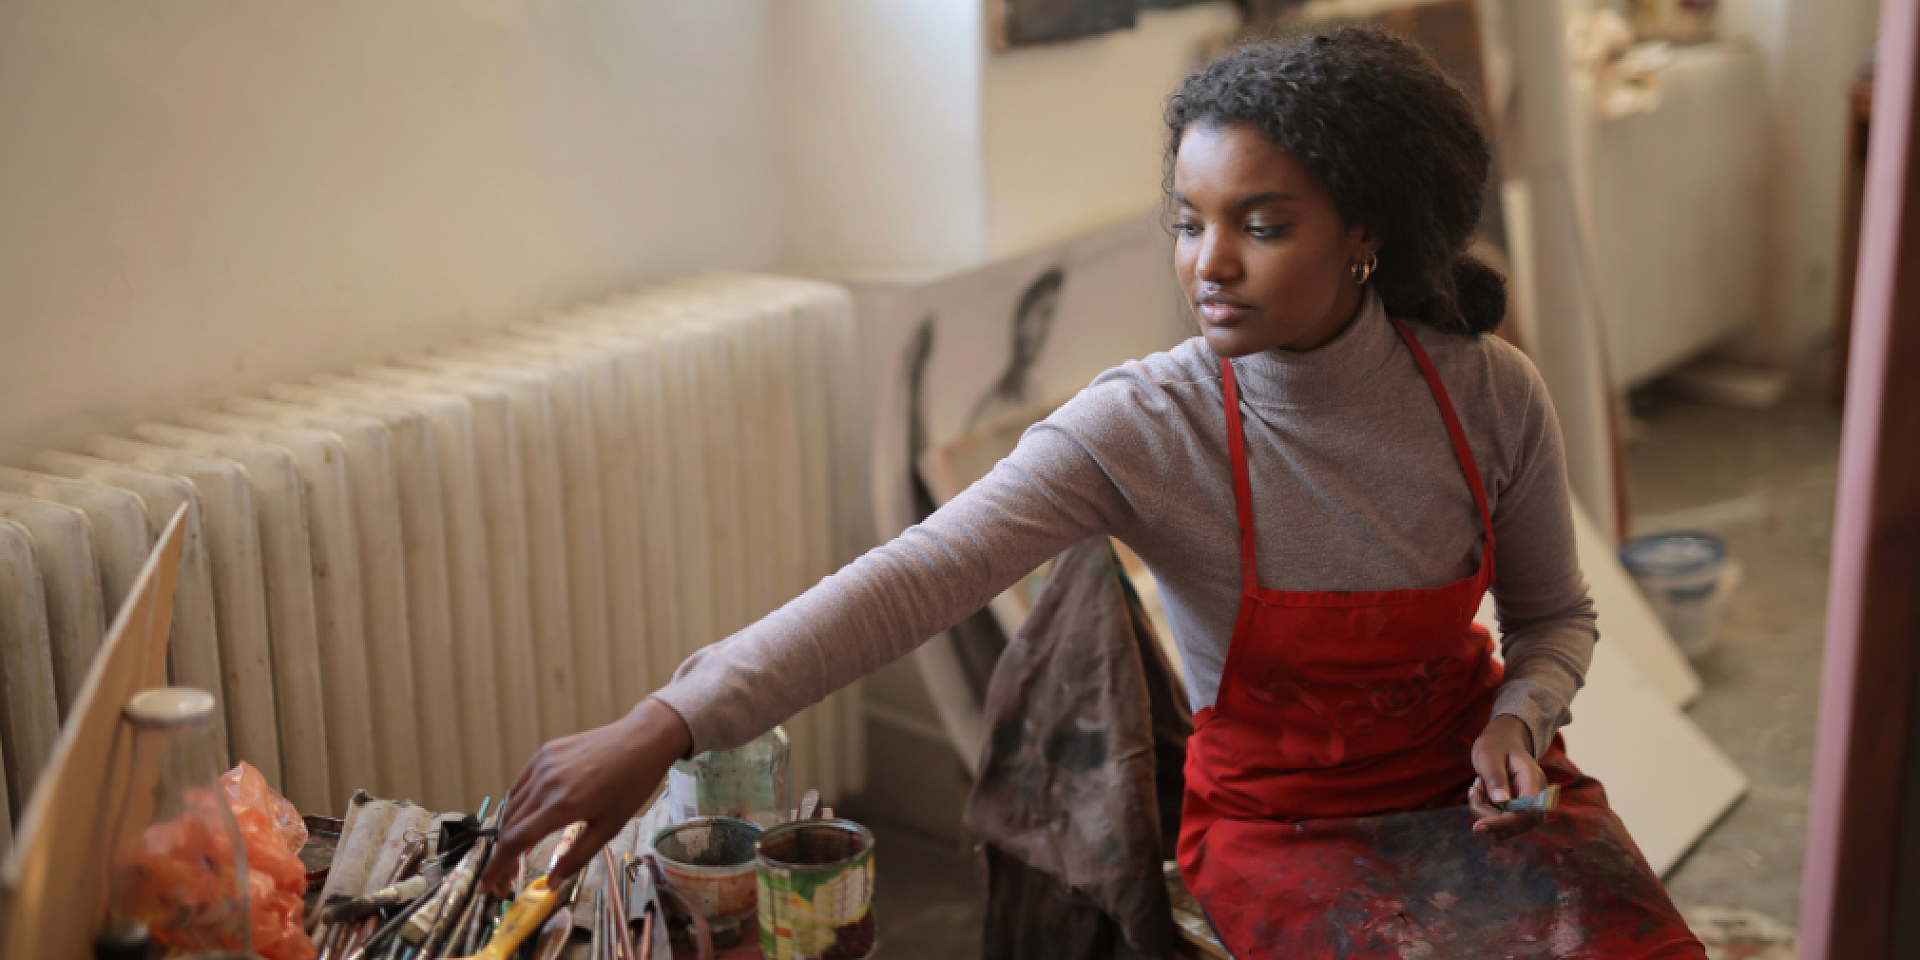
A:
x: 169, y: 707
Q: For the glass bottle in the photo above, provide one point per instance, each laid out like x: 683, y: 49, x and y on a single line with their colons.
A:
x: 177, y: 864
x: 749, y: 782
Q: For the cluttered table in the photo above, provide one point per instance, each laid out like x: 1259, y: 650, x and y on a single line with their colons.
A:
x: 717, y: 866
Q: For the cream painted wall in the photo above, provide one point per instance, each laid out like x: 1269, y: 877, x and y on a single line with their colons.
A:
x: 1812, y: 48
x: 1071, y: 132
x: 197, y: 196
x: 880, y: 118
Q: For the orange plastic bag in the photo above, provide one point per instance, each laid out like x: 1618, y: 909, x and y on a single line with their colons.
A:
x: 273, y: 833
x: 248, y: 787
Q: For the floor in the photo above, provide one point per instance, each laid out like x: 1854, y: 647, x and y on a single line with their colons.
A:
x: 925, y: 894
x: 1764, y: 479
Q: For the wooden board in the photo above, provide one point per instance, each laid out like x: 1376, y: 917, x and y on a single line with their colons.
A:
x: 1666, y: 780
x: 286, y: 566
x: 240, y: 592
x: 193, y: 650
x: 76, y: 617
x: 1630, y: 624
x: 54, y: 879
x: 339, y: 613
x: 383, y: 578
x: 29, y: 710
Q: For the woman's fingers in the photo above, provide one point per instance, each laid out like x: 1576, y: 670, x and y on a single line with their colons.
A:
x: 1490, y: 819
x: 1527, y: 776
x: 1489, y: 763
x: 524, y: 826
x: 1477, y: 800
x: 1507, y: 825
x: 600, y: 776
x: 598, y: 834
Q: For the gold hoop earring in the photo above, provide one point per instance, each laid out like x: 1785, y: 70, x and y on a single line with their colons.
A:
x: 1362, y: 271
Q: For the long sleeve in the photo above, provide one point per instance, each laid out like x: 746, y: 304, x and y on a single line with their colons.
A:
x: 1052, y: 492
x: 1547, y: 620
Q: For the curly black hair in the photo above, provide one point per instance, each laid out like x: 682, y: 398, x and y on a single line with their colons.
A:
x: 1394, y: 142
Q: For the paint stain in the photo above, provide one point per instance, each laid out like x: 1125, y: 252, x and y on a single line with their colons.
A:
x: 1076, y: 751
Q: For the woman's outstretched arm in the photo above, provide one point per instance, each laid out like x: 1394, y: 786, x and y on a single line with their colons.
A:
x: 1073, y: 476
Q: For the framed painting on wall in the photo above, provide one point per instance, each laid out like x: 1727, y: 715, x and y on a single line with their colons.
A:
x: 1022, y: 23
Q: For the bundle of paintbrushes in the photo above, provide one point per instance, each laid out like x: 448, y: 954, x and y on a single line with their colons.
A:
x: 404, y: 886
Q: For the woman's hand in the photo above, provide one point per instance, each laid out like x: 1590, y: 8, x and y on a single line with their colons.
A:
x: 1503, y: 758
x: 600, y: 776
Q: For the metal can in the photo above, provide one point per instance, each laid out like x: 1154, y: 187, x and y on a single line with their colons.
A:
x: 711, y: 861
x: 815, y: 881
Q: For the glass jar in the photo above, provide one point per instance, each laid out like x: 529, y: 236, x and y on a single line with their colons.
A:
x: 177, y: 864
x: 749, y: 782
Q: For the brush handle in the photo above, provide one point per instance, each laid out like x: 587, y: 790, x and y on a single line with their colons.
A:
x: 523, y: 920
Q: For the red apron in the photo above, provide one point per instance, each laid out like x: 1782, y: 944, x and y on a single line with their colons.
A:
x: 1324, y: 813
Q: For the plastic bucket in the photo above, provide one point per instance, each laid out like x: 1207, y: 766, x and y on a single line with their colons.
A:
x: 1685, y: 577
x: 816, y: 891
x: 711, y: 861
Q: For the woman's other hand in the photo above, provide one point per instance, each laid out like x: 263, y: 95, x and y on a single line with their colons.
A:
x: 600, y: 776
x: 1503, y: 760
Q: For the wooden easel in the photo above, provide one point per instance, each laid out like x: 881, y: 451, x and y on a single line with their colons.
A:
x: 53, y: 884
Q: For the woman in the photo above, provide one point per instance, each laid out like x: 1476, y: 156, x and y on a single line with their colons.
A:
x: 1324, y: 483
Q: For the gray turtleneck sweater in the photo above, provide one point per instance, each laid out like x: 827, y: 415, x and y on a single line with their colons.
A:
x: 1355, y: 487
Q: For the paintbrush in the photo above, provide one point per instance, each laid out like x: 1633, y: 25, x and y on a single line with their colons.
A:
x: 531, y: 906
x: 553, y: 936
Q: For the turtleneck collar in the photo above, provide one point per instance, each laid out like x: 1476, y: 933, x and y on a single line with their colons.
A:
x: 1337, y: 373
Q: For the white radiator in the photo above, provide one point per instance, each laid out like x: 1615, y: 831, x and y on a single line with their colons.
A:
x: 405, y: 577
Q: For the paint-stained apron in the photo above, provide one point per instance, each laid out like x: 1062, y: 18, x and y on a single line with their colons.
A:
x: 1324, y: 813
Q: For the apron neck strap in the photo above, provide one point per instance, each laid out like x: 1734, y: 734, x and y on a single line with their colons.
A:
x: 1243, y: 488
x: 1461, y: 450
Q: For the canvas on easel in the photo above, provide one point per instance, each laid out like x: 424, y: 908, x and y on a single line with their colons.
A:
x: 53, y: 884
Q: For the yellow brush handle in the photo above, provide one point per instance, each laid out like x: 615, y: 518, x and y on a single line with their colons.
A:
x: 523, y: 920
